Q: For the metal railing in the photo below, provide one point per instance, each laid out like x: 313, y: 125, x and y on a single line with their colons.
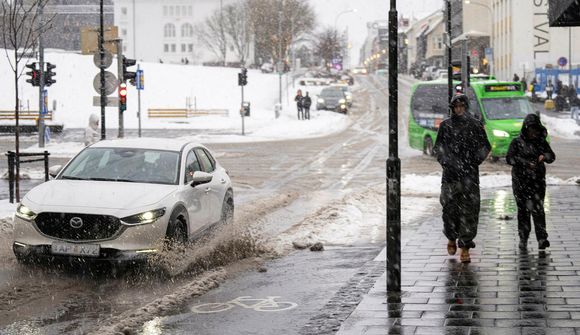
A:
x: 13, y: 160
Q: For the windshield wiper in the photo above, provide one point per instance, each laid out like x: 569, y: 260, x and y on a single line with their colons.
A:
x: 72, y: 178
x: 112, y: 179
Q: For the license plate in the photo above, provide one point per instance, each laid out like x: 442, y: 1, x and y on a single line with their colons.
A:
x: 89, y: 250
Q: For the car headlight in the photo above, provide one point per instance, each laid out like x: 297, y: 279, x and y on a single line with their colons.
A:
x: 25, y: 213
x: 143, y: 218
x: 320, y: 101
x: 343, y: 106
x: 342, y: 101
x: 500, y: 133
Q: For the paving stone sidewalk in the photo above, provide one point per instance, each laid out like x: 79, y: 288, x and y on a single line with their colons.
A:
x: 502, y: 291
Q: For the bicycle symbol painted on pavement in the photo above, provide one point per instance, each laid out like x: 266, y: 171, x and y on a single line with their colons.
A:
x: 259, y: 305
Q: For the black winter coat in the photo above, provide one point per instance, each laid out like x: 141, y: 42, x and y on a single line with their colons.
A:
x: 298, y: 100
x: 460, y: 148
x: 306, y: 101
x: 528, y: 174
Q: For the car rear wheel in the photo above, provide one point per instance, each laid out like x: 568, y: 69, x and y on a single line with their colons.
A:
x: 428, y: 146
x: 227, y: 210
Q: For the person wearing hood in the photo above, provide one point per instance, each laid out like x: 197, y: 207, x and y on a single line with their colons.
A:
x: 91, y: 133
x: 460, y: 148
x: 528, y: 155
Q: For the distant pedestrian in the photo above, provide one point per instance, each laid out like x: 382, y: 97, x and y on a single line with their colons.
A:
x: 527, y: 154
x: 516, y: 77
x: 549, y: 89
x: 91, y: 132
x: 460, y: 148
x: 533, y: 89
x: 524, y: 84
x: 306, y: 103
x: 298, y: 98
x: 558, y: 86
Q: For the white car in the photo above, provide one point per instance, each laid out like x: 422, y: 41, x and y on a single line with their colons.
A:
x: 120, y: 200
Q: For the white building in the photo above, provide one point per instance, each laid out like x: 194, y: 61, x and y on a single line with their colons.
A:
x: 523, y: 40
x: 164, y: 30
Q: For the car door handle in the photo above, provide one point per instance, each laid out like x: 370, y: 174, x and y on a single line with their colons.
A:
x: 207, y: 190
x: 223, y: 181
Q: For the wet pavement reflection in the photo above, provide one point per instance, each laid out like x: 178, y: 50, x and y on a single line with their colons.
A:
x: 503, y: 290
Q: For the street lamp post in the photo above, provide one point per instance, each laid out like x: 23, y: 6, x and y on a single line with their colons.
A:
x: 449, y: 53
x: 393, y: 163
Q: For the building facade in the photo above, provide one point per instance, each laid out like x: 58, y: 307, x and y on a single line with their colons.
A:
x: 165, y: 30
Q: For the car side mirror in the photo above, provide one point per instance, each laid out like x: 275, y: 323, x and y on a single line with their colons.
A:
x: 200, y: 178
x: 54, y: 170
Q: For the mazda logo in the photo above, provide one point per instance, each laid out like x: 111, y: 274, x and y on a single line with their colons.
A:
x: 76, y: 222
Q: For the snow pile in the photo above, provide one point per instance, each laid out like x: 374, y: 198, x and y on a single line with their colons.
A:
x: 566, y: 128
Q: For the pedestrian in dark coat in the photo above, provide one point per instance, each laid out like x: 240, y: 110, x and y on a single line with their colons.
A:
x: 527, y: 155
x: 298, y: 98
x: 306, y: 103
x: 549, y: 89
x: 460, y: 148
x: 516, y: 77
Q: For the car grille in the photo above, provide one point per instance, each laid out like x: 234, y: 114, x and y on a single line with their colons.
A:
x: 67, y: 226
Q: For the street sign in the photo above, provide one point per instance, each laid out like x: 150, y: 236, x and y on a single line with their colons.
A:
x: 110, y: 101
x: 111, y: 83
x: 140, y: 80
x: 562, y: 61
x: 108, y: 59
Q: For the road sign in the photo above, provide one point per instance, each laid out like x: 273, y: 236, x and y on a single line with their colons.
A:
x: 562, y: 61
x: 111, y: 83
x: 140, y: 80
x: 110, y: 101
x: 108, y: 59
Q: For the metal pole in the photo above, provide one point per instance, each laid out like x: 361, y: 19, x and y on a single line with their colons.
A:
x: 449, y: 49
x: 102, y: 67
x: 41, y: 81
x: 46, y: 176
x: 280, y: 69
x: 11, y: 162
x: 119, y: 44
x: 569, y: 57
x: 139, y: 104
x: 243, y: 111
x: 393, y: 163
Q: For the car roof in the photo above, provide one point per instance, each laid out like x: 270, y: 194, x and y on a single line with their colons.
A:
x: 172, y: 144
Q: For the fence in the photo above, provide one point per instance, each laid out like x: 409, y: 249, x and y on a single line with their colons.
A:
x: 184, y: 113
x: 23, y: 115
x: 13, y: 160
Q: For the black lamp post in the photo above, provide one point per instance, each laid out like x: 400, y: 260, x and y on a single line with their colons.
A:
x: 449, y: 60
x: 393, y: 163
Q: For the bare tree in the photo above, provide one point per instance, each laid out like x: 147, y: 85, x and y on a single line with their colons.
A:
x: 277, y: 23
x: 328, y: 46
x: 21, y: 26
x: 238, y: 28
x: 212, y: 34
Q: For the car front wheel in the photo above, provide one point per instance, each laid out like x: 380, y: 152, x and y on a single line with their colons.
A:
x: 176, y: 231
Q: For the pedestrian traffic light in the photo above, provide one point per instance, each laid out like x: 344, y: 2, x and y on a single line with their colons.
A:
x: 48, y: 75
x: 123, y: 97
x: 128, y: 75
x: 34, y: 75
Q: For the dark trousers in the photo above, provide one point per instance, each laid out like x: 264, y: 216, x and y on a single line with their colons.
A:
x: 549, y: 95
x: 307, y: 113
x: 531, y: 204
x: 461, y: 203
x: 300, y: 113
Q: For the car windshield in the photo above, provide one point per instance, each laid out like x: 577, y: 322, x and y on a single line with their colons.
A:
x: 507, y: 108
x: 334, y: 93
x: 124, y: 165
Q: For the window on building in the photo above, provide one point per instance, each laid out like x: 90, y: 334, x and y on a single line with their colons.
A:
x: 124, y: 48
x: 439, y: 43
x: 173, y: 48
x: 124, y: 32
x: 186, y: 30
x: 166, y: 47
x: 164, y: 10
x: 177, y: 11
x: 170, y: 10
x: 190, y: 47
x: 124, y: 10
x: 184, y: 10
x: 182, y: 47
x: 169, y: 30
x: 189, y: 11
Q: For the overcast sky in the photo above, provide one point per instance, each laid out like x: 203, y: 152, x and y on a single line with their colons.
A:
x: 367, y: 10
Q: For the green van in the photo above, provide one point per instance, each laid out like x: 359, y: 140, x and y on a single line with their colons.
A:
x: 501, y: 106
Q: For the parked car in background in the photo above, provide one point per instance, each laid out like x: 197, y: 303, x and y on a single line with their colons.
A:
x: 267, y: 68
x: 332, y: 98
x: 124, y: 200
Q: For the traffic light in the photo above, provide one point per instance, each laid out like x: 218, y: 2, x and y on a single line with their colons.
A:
x: 128, y: 75
x: 34, y: 75
x: 123, y: 97
x: 48, y: 75
x: 243, y: 77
